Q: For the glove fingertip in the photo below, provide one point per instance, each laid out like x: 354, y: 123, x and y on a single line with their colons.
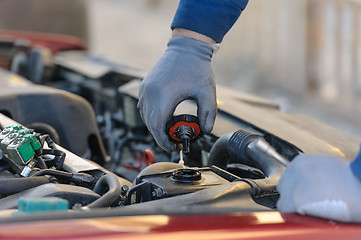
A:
x: 206, y: 121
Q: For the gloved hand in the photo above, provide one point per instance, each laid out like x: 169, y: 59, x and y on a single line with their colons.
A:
x: 322, y: 186
x: 183, y: 72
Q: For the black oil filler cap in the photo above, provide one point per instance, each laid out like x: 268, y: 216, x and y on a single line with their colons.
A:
x: 183, y: 129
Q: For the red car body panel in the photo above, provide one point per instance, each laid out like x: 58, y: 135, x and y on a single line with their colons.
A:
x: 54, y: 42
x: 261, y: 225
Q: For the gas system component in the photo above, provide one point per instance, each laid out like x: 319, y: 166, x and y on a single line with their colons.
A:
x: 33, y: 166
x: 183, y: 129
x: 118, y: 164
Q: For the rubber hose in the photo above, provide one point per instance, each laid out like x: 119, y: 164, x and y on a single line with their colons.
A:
x: 111, y: 182
x: 58, y: 159
x: 81, y: 179
x: 237, y: 145
x: 219, y: 152
x: 15, y: 185
x: 40, y: 163
x: 237, y: 148
x: 53, y: 172
x: 234, y: 146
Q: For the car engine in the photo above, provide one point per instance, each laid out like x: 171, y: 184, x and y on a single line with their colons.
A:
x: 73, y: 133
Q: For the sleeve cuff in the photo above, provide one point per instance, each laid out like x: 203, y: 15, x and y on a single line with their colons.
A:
x: 356, y: 165
x: 212, y: 18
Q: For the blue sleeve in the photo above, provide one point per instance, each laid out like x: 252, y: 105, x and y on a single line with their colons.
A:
x: 212, y: 18
x: 356, y: 165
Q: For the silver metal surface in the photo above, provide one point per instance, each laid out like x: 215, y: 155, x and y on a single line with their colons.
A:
x: 262, y: 146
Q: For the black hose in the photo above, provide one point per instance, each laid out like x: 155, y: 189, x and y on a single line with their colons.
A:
x: 53, y: 172
x: 60, y: 164
x: 219, y: 152
x: 81, y: 179
x: 236, y: 147
x: 238, y: 150
x: 40, y: 163
x: 59, y: 156
x: 110, y: 182
x: 15, y: 185
x: 49, y: 141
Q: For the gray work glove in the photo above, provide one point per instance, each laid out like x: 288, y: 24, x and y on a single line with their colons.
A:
x: 322, y: 186
x: 183, y: 72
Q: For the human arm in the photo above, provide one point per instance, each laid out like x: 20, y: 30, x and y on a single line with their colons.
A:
x: 184, y: 71
x: 181, y: 32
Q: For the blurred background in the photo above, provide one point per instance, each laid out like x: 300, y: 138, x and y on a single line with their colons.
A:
x: 303, y: 54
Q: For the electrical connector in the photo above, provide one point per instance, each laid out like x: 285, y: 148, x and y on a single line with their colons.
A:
x: 19, y: 144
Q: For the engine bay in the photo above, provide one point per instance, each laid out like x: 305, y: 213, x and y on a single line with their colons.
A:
x: 76, y: 134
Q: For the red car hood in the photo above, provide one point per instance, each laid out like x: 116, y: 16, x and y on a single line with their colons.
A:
x: 262, y: 225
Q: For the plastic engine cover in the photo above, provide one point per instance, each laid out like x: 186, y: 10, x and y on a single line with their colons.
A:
x: 70, y: 115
